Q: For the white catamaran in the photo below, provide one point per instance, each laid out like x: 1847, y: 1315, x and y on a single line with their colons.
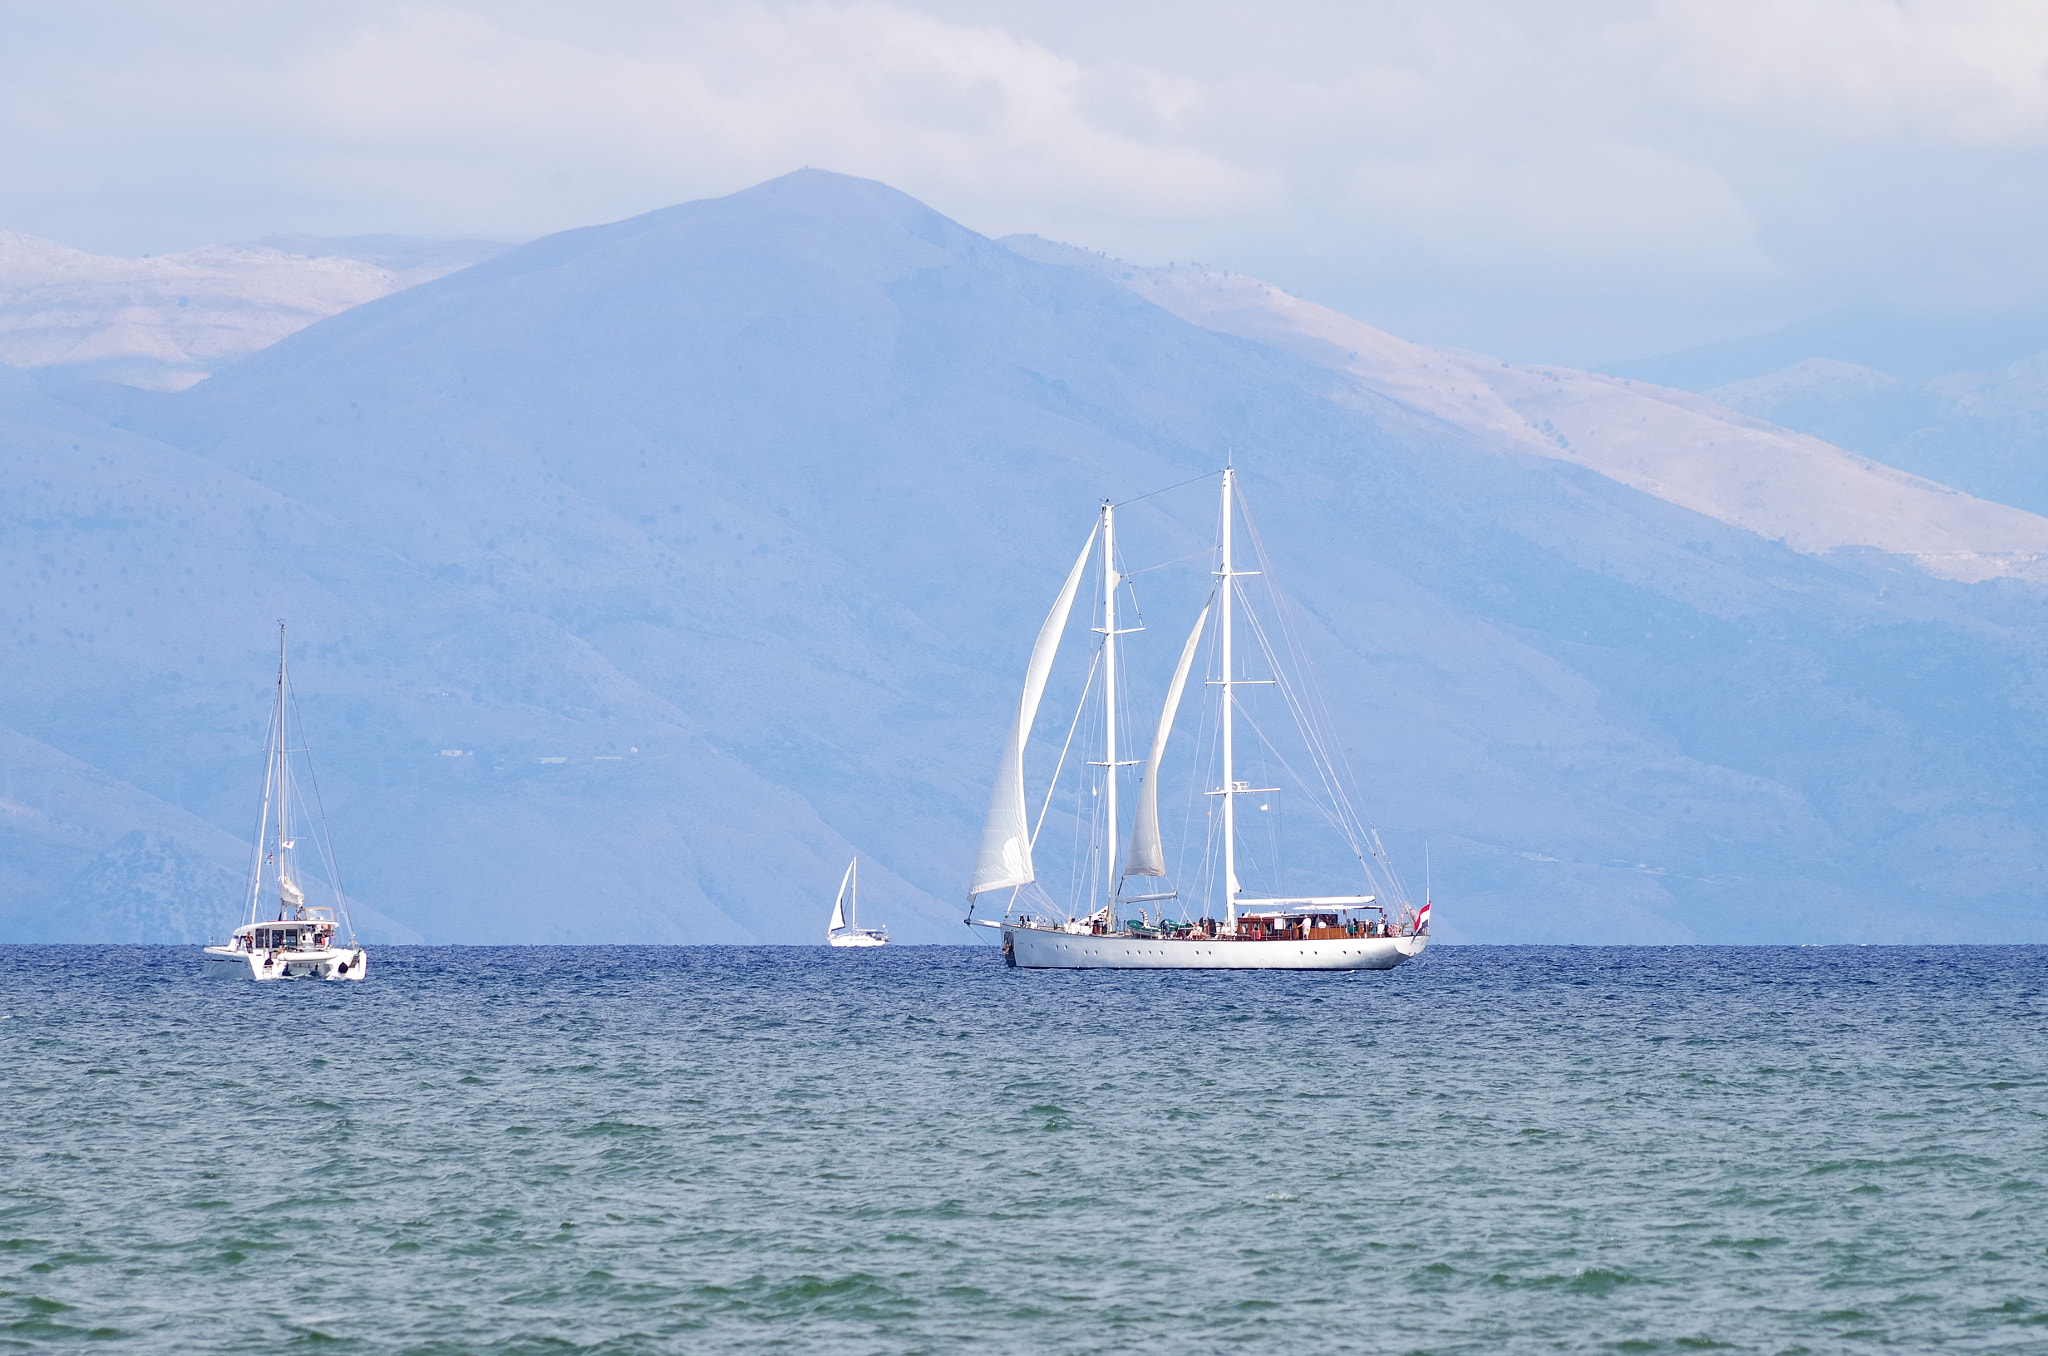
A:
x: 845, y: 928
x: 300, y: 942
x: 1373, y: 929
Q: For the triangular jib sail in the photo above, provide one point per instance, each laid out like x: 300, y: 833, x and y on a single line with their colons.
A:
x: 1148, y: 854
x: 1005, y: 857
x: 838, y: 922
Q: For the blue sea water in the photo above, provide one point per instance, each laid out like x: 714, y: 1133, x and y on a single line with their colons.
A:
x: 710, y: 1150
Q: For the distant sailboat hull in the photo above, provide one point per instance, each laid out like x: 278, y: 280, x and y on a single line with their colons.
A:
x: 858, y: 939
x: 1048, y: 949
x: 323, y: 963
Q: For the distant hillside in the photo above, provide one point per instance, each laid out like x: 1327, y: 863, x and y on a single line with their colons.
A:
x: 1962, y: 401
x: 645, y: 573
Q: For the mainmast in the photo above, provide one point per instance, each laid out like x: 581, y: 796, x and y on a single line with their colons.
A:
x: 1228, y: 588
x: 1111, y: 838
x: 1228, y: 574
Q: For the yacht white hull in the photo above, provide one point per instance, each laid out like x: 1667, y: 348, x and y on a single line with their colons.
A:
x: 1044, y: 949
x: 856, y: 939
x: 328, y: 963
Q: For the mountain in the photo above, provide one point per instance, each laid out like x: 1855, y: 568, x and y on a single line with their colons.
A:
x: 644, y: 573
x: 1913, y: 348
x: 1963, y: 401
x: 167, y: 322
x: 1985, y: 432
x: 1688, y: 451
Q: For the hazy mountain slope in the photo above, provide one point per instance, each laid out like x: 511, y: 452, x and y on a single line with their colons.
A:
x: 1912, y: 348
x: 1986, y: 432
x: 141, y: 586
x: 1960, y: 400
x: 168, y: 321
x: 747, y: 510
x: 87, y: 858
x: 1779, y: 484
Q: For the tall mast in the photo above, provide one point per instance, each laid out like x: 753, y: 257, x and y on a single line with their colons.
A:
x: 284, y: 794
x: 1229, y: 591
x: 1111, y: 841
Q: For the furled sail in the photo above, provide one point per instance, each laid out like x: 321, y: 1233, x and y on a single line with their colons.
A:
x: 1005, y: 857
x: 289, y: 894
x: 839, y: 902
x: 1148, y: 856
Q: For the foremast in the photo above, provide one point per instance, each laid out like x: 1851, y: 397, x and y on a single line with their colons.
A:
x: 1112, y: 865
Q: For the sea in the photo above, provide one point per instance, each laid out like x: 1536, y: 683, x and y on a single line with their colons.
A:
x: 914, y: 1149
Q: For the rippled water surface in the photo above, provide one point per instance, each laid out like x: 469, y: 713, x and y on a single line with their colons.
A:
x: 713, y: 1150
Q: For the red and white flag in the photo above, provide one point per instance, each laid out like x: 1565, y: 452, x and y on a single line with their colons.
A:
x: 1422, y: 919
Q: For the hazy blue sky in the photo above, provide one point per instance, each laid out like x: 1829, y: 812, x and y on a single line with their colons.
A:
x: 1573, y: 181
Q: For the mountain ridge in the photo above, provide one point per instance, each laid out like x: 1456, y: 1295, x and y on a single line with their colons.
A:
x: 710, y: 544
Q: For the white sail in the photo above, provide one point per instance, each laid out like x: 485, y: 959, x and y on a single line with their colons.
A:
x: 838, y: 904
x: 1148, y: 855
x: 1005, y: 857
x: 289, y: 894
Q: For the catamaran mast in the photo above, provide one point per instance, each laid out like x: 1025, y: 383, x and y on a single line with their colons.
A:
x: 284, y: 792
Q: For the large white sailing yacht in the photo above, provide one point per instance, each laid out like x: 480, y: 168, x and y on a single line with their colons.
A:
x: 300, y: 942
x: 1374, y: 928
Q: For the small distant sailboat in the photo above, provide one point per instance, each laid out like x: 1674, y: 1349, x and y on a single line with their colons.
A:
x: 845, y: 928
x: 300, y: 942
x: 1373, y: 929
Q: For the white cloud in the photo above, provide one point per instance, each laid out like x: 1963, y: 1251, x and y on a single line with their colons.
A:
x: 1961, y: 72
x: 1662, y: 164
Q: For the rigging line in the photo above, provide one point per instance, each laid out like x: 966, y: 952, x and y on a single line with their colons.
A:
x: 262, y: 822
x: 1149, y: 493
x: 1079, y: 707
x: 1202, y: 757
x: 1312, y: 733
x: 1205, y: 551
x: 1316, y: 709
x: 1308, y: 703
x: 1334, y: 821
x: 1314, y: 738
x: 326, y: 838
x: 1123, y: 579
x: 1354, y: 828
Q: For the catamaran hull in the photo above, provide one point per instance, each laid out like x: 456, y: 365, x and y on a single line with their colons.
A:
x: 1040, y: 949
x: 341, y: 963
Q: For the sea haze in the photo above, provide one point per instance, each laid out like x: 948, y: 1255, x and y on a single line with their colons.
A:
x: 725, y: 1149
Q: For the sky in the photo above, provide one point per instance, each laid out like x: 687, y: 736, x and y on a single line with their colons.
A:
x: 1568, y: 182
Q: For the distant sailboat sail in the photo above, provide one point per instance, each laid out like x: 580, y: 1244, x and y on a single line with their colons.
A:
x: 839, y: 904
x: 1005, y: 857
x: 1148, y: 854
